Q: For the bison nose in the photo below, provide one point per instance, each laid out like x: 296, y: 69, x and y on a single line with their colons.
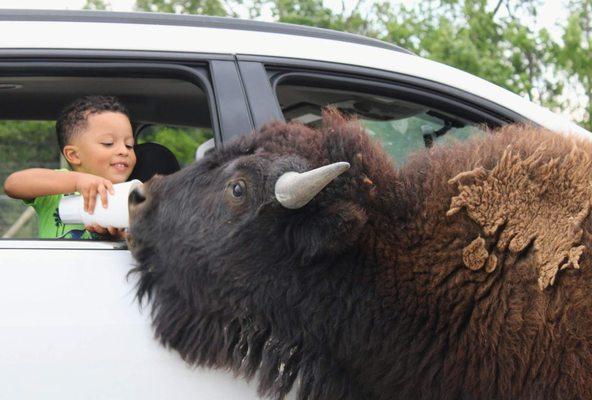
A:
x: 136, y: 196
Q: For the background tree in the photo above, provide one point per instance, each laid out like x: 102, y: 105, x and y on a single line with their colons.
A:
x: 204, y: 7
x: 492, y: 40
x: 315, y: 13
x: 96, y: 5
x: 574, y: 54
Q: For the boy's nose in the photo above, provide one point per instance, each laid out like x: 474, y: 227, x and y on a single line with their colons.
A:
x: 123, y: 150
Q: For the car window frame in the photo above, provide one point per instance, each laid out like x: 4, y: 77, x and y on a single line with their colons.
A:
x: 200, y: 70
x: 278, y: 69
x: 393, y: 90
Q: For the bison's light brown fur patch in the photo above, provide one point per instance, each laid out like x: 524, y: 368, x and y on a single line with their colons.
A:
x: 523, y: 201
x: 475, y: 254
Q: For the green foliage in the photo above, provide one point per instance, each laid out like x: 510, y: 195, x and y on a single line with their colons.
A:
x: 96, y: 5
x: 315, y: 13
x: 205, y: 7
x: 575, y: 55
x: 474, y: 36
x: 181, y: 141
x: 24, y: 144
x: 404, y: 136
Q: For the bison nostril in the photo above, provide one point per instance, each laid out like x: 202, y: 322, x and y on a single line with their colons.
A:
x: 136, y: 196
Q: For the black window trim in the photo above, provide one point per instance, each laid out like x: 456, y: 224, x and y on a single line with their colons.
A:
x: 233, y: 107
x: 145, y: 56
x: 396, y: 90
x: 282, y: 68
x: 259, y: 93
x: 196, y: 75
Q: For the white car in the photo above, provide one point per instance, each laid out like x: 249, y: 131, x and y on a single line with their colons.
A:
x: 70, y: 326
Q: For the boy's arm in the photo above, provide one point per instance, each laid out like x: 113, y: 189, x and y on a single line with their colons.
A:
x: 35, y: 182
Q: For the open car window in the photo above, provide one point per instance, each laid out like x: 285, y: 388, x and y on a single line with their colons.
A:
x: 175, y: 111
x: 400, y: 125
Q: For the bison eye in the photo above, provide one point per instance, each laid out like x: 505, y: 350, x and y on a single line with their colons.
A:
x: 238, y: 189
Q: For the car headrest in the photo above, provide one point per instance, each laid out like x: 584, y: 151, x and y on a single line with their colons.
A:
x: 152, y: 159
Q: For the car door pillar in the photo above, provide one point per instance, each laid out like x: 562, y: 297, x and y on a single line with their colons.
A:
x: 231, y: 103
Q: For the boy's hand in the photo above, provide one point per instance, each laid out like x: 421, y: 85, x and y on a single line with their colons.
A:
x: 116, y: 233
x: 89, y: 186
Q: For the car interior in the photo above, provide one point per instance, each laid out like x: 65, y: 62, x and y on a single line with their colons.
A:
x: 170, y: 118
x: 401, y: 126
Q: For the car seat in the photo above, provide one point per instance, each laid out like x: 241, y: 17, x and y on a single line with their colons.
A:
x: 152, y: 159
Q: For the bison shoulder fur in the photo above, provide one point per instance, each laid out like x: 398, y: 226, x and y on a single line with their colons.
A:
x: 465, y: 273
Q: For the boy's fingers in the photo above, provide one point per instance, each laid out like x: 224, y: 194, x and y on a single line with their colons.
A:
x: 96, y: 228
x: 85, y: 198
x: 112, y: 231
x: 109, y: 186
x: 103, y: 193
x: 92, y: 199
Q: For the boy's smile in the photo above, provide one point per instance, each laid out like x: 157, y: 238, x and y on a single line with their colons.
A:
x: 105, y: 146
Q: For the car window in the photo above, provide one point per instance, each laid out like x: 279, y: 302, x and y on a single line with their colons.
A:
x: 179, y: 109
x: 400, y: 125
x: 182, y: 141
x: 23, y: 144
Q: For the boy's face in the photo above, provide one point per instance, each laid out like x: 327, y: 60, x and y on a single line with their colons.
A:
x: 104, y: 147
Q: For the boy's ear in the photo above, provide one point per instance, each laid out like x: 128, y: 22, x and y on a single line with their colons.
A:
x: 70, y: 153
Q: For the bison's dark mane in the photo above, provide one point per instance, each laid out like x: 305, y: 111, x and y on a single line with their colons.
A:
x: 391, y: 309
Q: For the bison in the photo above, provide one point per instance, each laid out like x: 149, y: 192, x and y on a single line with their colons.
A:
x: 462, y: 274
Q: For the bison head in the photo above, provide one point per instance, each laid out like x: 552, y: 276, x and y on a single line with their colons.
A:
x: 253, y: 259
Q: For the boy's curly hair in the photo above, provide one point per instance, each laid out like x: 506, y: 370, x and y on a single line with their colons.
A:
x: 73, y: 117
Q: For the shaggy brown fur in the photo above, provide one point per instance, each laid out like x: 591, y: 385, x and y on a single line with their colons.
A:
x: 517, y: 207
x: 447, y: 278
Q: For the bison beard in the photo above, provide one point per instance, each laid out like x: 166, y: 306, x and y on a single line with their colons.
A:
x: 465, y: 273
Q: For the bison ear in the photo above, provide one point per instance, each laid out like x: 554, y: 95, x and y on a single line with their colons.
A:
x: 327, y: 232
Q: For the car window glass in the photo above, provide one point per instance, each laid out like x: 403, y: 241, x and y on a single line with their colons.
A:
x: 401, y: 126
x: 23, y: 144
x: 182, y: 141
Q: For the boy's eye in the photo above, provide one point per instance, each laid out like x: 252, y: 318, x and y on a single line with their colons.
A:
x: 129, y: 146
x: 107, y: 144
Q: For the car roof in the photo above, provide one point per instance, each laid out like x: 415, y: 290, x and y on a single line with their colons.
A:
x: 116, y: 31
x: 203, y: 21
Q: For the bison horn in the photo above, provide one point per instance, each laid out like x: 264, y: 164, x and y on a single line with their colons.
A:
x: 294, y: 190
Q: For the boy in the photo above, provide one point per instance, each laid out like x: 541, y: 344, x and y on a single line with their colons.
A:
x: 96, y: 138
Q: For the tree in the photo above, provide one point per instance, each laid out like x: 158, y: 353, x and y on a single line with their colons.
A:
x: 96, y: 5
x: 315, y: 13
x: 574, y: 56
x: 493, y: 41
x: 205, y: 7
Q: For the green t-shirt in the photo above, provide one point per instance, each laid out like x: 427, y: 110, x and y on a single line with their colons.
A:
x: 50, y: 224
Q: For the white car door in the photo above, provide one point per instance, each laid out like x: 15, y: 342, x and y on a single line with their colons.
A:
x: 72, y: 329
